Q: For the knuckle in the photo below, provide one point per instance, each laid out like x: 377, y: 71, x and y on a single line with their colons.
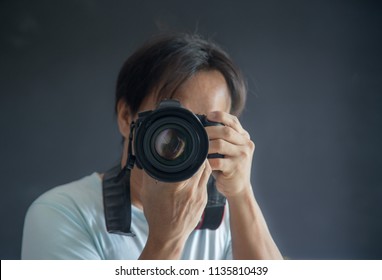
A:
x: 216, y: 164
x: 248, y: 150
x: 219, y: 145
x: 244, y: 153
x: 219, y: 164
x: 227, y: 131
x: 251, y: 145
x: 247, y: 135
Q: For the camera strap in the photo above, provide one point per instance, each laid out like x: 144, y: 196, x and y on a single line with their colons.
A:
x: 117, y: 194
x: 117, y: 200
x: 214, y: 211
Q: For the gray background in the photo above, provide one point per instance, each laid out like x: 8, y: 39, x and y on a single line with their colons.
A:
x: 314, y: 107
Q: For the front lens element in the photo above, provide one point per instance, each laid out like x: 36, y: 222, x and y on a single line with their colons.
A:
x: 170, y: 144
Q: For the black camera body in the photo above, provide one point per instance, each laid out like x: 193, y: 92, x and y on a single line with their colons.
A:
x: 170, y: 142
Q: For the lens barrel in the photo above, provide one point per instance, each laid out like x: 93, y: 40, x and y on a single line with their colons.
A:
x: 170, y: 142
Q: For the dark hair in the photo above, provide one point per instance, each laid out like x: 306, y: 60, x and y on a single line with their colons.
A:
x: 164, y: 63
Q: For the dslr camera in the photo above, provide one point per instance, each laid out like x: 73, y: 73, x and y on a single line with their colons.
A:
x: 170, y: 142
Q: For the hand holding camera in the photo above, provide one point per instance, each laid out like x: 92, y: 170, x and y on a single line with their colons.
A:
x: 232, y: 173
x: 173, y: 211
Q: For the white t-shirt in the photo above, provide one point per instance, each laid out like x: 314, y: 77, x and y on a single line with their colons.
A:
x: 68, y: 222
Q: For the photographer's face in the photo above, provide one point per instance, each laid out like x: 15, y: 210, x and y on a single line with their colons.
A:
x: 205, y: 92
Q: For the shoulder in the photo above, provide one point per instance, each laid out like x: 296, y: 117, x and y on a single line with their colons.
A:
x: 85, y: 192
x: 61, y: 223
x: 78, y: 202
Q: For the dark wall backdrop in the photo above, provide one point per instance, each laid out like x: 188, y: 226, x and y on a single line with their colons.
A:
x: 314, y: 108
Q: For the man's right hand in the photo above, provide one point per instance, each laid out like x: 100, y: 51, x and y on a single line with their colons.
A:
x: 172, y: 210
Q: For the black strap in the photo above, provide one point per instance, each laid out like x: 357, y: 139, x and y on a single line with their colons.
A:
x: 214, y: 212
x: 117, y: 200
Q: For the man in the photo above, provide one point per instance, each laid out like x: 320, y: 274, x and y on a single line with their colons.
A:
x: 68, y: 222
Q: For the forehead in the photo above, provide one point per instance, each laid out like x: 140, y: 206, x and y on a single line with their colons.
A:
x: 204, y: 92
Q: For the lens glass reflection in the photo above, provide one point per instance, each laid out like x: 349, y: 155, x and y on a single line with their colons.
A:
x: 170, y: 144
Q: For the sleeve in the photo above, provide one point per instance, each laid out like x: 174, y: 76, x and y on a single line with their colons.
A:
x: 228, y: 252
x: 228, y: 248
x: 53, y: 232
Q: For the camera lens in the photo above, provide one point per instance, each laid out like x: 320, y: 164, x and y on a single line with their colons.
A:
x: 170, y: 144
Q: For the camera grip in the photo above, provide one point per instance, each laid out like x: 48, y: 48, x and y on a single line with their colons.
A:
x: 206, y: 123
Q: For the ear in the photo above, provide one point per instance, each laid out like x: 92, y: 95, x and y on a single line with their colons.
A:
x: 124, y: 118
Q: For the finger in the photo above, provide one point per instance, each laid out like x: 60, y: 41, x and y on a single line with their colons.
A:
x: 225, y: 148
x: 197, y: 176
x: 206, y: 175
x: 201, y: 186
x: 228, y: 120
x: 224, y: 165
x: 227, y: 133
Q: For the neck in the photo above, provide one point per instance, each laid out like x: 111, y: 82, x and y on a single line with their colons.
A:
x: 135, y: 187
